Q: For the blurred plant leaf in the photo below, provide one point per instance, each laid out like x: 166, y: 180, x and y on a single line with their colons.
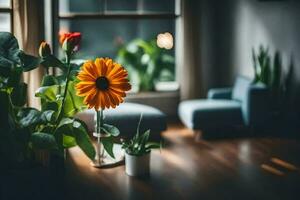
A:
x: 19, y: 95
x: 42, y: 140
x: 112, y: 130
x: 28, y: 117
x: 74, y: 103
x: 9, y: 53
x: 78, y: 130
x: 69, y: 141
x: 52, y: 61
x: 48, y: 92
x: 108, y: 145
x: 28, y: 62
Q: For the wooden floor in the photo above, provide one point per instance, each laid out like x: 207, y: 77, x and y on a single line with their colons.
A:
x: 257, y: 168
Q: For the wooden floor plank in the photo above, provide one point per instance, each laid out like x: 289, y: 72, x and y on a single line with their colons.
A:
x: 188, y: 169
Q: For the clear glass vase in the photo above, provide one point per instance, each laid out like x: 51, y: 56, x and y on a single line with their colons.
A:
x: 100, y: 151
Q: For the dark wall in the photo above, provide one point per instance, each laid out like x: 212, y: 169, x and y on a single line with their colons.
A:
x: 230, y: 28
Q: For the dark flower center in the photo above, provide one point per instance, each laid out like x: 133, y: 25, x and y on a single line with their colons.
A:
x: 102, y: 83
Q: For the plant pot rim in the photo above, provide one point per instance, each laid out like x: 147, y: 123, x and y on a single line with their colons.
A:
x: 137, y: 155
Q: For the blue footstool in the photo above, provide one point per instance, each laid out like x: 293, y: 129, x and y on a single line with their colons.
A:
x: 126, y: 118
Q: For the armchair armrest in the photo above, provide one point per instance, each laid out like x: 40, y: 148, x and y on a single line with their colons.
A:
x: 256, y: 108
x: 219, y: 93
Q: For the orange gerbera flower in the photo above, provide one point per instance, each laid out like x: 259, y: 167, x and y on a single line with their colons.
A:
x: 103, y: 83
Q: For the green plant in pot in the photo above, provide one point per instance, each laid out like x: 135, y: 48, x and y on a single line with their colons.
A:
x: 137, y: 153
x: 59, y: 103
x: 270, y: 71
x: 29, y: 134
x: 16, y: 120
x: 146, y: 63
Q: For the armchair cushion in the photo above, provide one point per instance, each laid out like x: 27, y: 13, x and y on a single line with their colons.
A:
x: 203, y: 114
x: 219, y: 93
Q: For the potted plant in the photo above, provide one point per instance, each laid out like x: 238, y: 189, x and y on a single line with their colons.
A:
x: 146, y: 63
x: 137, y: 153
x: 29, y: 135
x: 16, y: 123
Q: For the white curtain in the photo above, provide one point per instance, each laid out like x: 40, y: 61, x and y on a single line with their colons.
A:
x: 28, y: 29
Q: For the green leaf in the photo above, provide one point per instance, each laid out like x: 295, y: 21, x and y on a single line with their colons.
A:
x: 48, y: 92
x: 108, y: 145
x: 29, y: 62
x: 28, y: 117
x: 143, y: 140
x: 112, y: 130
x: 74, y: 103
x: 9, y: 52
x: 52, y: 61
x: 277, y: 70
x: 15, y: 77
x: 153, y: 145
x: 47, y: 116
x: 49, y: 80
x: 42, y: 140
x: 65, y: 122
x: 77, y: 129
x: 19, y: 95
x: 69, y: 141
x: 84, y: 142
x: 54, y: 105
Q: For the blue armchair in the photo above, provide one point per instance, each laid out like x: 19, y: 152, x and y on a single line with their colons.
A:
x: 245, y: 104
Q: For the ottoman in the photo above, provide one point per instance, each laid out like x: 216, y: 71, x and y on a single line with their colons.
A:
x: 210, y: 115
x: 126, y: 117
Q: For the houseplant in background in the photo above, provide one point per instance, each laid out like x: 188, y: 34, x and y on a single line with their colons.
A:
x: 137, y: 153
x: 270, y: 71
x: 103, y: 84
x: 146, y: 63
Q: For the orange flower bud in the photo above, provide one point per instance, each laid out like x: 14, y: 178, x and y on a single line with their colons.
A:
x: 44, y: 49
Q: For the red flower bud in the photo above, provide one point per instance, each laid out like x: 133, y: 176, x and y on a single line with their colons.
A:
x: 70, y: 41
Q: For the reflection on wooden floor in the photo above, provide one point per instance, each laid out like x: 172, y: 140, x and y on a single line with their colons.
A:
x: 245, y: 168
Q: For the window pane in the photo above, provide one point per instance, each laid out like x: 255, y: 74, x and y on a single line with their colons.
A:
x: 103, y: 37
x: 142, y: 5
x: 5, y: 22
x: 122, y: 5
x: 159, y: 5
x: 67, y: 6
x: 5, y: 3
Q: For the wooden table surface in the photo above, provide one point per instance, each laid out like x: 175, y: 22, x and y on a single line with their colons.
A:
x: 256, y: 168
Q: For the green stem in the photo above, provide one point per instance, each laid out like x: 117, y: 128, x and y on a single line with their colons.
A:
x: 68, y: 60
x: 11, y: 110
x: 99, y: 124
x: 99, y: 120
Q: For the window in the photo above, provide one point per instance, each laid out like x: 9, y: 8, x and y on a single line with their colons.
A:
x: 6, y: 16
x: 106, y: 25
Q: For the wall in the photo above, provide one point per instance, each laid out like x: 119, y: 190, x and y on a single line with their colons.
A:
x: 230, y: 28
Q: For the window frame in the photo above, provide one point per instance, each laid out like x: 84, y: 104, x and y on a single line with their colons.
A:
x: 56, y: 16
x: 9, y: 10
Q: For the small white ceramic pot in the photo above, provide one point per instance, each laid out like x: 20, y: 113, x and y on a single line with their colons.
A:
x: 137, y: 165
